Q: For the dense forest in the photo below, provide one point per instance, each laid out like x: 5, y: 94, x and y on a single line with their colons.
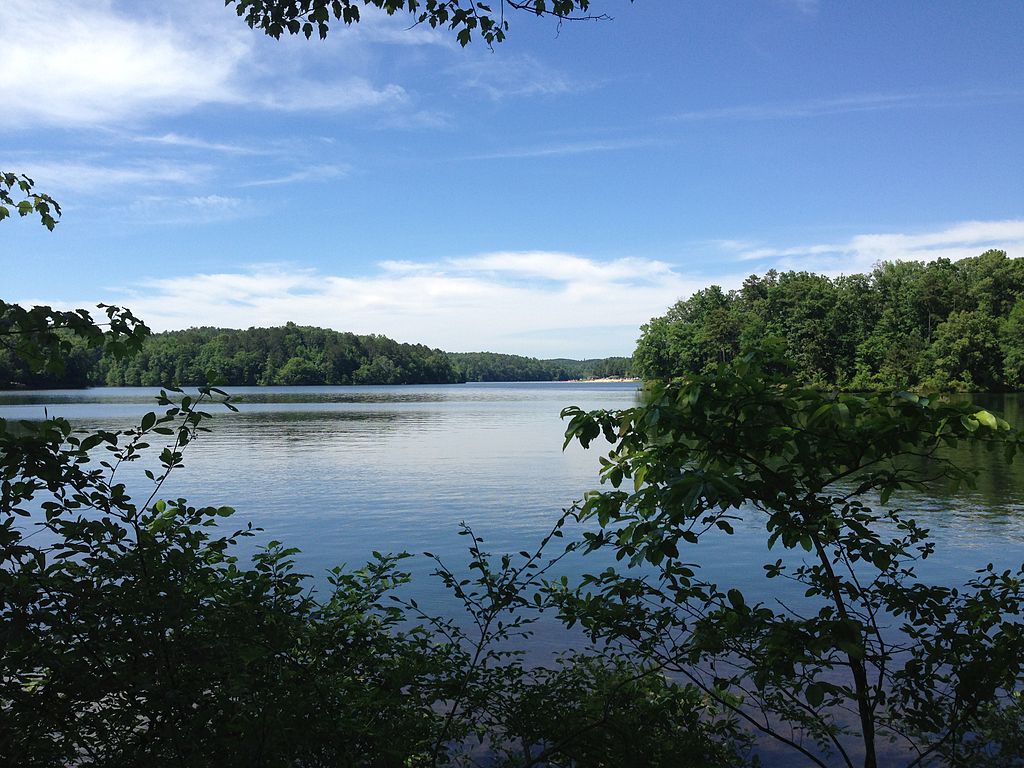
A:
x: 948, y: 325
x: 288, y: 355
x: 490, y: 366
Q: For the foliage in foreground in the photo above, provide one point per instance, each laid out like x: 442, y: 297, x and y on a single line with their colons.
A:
x: 856, y: 656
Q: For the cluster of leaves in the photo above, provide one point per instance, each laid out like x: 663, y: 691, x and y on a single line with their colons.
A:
x: 870, y: 655
x: 53, y: 347
x: 464, y: 17
x: 13, y: 185
x: 943, y: 325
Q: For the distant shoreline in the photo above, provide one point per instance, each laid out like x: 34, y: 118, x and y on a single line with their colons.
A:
x: 601, y: 380
x: 606, y: 380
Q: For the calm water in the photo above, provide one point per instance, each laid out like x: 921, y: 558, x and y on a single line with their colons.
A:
x: 342, y: 471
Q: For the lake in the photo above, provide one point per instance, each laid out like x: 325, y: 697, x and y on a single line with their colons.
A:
x: 342, y: 471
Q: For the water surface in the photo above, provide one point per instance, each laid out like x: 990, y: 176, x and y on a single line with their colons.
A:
x: 342, y: 471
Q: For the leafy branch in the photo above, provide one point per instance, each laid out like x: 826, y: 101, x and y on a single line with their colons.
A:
x: 306, y: 17
x: 14, y: 186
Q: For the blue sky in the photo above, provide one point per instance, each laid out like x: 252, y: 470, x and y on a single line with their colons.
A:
x: 543, y: 198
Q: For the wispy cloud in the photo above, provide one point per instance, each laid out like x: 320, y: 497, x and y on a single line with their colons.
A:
x: 192, y: 142
x: 345, y: 96
x: 379, y: 27
x: 161, y: 178
x: 869, y: 102
x: 98, y: 175
x: 861, y: 252
x: 804, y: 7
x: 98, y: 66
x: 310, y: 173
x: 569, y: 148
x: 192, y: 209
x: 513, y: 76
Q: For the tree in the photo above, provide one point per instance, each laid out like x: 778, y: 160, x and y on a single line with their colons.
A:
x: 860, y: 652
x: 966, y: 354
x: 1013, y: 346
x: 299, y: 370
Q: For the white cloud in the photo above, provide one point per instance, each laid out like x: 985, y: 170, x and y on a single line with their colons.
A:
x: 543, y: 303
x: 397, y: 29
x: 347, y: 95
x: 861, y: 252
x: 101, y: 63
x: 536, y: 303
x: 74, y: 63
x: 804, y: 7
x: 546, y: 265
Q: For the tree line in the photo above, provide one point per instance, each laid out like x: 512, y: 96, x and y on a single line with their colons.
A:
x: 289, y: 355
x: 945, y: 325
x: 492, y: 366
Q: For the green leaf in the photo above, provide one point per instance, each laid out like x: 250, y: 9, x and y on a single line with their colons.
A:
x: 815, y: 694
x: 986, y: 419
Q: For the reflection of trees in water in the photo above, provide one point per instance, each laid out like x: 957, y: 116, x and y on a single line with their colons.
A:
x: 1000, y: 484
x: 145, y: 396
x: 342, y: 396
x: 271, y: 426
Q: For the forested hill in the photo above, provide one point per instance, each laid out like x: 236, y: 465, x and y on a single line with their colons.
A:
x: 945, y: 325
x: 294, y: 354
x: 491, y: 366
